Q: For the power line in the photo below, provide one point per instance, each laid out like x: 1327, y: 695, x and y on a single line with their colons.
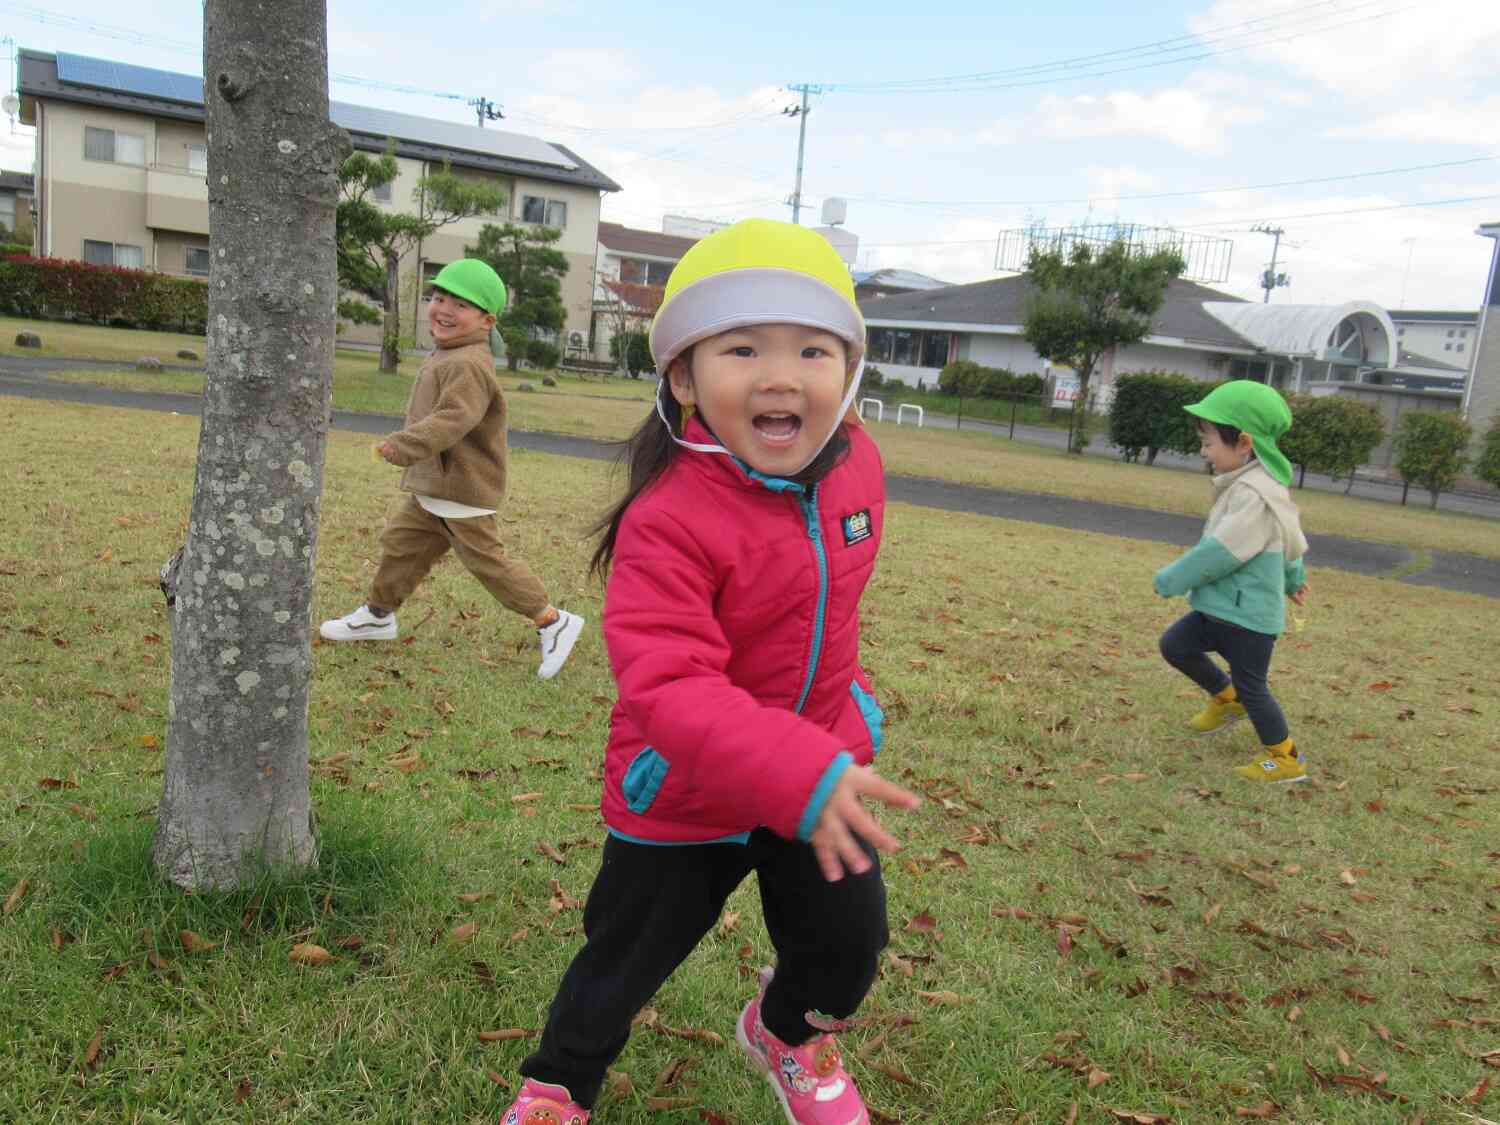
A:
x: 1346, y: 211
x: 956, y: 203
x: 1074, y: 69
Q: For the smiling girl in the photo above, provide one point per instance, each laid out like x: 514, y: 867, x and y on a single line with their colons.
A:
x: 745, y: 727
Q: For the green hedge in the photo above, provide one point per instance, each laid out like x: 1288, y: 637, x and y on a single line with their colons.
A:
x: 1331, y: 434
x: 967, y: 379
x: 1431, y: 450
x: 52, y: 287
x: 1487, y: 468
x: 1146, y: 414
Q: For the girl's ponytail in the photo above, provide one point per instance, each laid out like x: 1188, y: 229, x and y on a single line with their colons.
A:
x: 646, y: 455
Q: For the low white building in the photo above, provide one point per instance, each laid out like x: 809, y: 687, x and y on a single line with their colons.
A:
x: 1198, y: 331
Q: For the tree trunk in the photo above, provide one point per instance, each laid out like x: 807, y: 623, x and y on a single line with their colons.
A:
x: 235, y: 797
x: 390, y: 335
x: 1301, y: 475
x: 1078, y: 423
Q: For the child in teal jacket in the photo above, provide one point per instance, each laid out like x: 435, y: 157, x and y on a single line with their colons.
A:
x: 1239, y: 574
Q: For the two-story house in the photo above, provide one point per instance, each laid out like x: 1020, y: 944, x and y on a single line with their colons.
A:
x: 122, y: 162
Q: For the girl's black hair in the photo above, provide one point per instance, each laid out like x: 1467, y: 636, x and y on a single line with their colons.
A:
x: 649, y: 451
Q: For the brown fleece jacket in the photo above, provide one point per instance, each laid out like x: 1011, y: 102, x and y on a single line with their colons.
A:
x: 453, y: 446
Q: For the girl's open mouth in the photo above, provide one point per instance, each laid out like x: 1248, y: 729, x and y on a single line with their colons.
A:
x: 777, y: 428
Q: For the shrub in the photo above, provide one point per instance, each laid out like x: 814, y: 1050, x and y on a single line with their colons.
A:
x: 9, y: 248
x: 1147, y: 415
x: 1332, y: 434
x: 541, y: 354
x: 1487, y: 468
x: 873, y: 378
x: 637, y: 345
x: 1430, y: 450
x: 962, y: 377
x: 102, y: 294
x: 357, y: 311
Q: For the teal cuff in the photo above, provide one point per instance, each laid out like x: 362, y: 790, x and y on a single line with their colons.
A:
x: 842, y: 761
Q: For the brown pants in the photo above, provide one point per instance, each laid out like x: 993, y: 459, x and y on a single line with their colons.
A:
x: 414, y: 539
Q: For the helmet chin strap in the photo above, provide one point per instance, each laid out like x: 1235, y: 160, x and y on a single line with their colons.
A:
x: 705, y: 447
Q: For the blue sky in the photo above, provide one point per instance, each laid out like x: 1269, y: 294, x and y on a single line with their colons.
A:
x: 1092, y: 111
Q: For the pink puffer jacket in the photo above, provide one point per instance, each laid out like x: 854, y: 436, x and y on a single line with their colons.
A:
x: 732, y: 622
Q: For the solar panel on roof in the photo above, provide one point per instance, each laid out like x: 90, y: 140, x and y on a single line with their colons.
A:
x: 123, y: 78
x: 450, y: 134
x: 144, y: 81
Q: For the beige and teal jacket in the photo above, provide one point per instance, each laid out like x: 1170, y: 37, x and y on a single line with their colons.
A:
x: 1250, y: 557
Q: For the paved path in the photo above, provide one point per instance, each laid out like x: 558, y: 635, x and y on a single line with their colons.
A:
x: 1365, y: 487
x: 1447, y: 569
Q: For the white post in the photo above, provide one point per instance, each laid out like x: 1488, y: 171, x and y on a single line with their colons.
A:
x: 879, y: 408
x: 904, y: 407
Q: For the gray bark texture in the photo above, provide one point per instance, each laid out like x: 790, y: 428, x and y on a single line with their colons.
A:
x: 235, y: 799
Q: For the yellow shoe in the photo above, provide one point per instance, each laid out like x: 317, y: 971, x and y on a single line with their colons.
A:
x: 1275, y: 769
x: 1217, y: 715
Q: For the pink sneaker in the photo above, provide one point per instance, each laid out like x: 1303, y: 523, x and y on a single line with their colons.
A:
x: 541, y: 1104
x: 810, y: 1081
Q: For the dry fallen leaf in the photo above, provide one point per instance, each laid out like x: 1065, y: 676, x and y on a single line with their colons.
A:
x: 306, y: 953
x: 1212, y: 912
x: 475, y: 896
x: 922, y: 923
x: 950, y: 998
x: 1263, y: 1111
x: 91, y: 1052
x: 195, y: 943
x: 460, y: 934
x: 18, y: 892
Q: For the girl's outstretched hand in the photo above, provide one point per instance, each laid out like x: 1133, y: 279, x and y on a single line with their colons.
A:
x: 1300, y: 597
x: 844, y: 817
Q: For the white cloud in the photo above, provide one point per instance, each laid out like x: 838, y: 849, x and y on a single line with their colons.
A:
x: 1439, y: 121
x: 1180, y: 116
x: 1368, y: 51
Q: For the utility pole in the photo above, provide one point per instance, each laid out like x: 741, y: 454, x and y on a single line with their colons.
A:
x: 1271, y: 279
x: 800, y: 111
x: 485, y: 110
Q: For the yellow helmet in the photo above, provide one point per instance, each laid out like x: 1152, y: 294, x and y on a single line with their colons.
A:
x: 757, y: 271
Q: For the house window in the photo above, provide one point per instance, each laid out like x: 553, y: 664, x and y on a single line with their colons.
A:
x: 1458, y: 348
x: 197, y: 261
x: 1400, y: 332
x: 908, y: 346
x: 381, y: 193
x: 638, y: 271
x: 1448, y: 347
x: 8, y: 212
x: 198, y: 159
x: 545, y: 212
x: 109, y: 145
x: 1463, y: 333
x: 113, y: 254
x: 1450, y: 333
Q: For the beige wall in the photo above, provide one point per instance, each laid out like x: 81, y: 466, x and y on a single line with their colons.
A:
x: 171, y: 251
x: 173, y: 139
x: 162, y: 208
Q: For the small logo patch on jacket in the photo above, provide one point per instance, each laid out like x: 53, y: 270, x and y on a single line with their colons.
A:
x: 857, y: 528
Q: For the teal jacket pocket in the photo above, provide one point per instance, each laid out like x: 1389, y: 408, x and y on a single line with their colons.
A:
x: 870, y: 710
x: 643, y: 780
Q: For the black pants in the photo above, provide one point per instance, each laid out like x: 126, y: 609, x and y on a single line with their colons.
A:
x: 1186, y: 646
x: 650, y: 906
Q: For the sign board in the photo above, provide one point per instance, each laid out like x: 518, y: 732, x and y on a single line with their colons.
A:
x: 1065, y: 386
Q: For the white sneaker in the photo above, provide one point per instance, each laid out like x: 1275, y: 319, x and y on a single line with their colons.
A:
x: 361, y: 625
x: 557, y: 641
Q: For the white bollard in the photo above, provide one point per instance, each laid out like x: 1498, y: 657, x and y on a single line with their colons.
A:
x: 879, y: 408
x: 904, y: 407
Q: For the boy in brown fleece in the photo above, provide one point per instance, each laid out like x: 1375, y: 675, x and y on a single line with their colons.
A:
x: 454, y: 452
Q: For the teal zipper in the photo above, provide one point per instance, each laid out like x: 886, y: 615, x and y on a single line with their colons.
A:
x: 815, y: 533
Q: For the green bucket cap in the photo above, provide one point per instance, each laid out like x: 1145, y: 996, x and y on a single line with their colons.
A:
x: 473, y: 281
x: 1257, y: 410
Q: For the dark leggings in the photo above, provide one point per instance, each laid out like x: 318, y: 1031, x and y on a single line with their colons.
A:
x: 1186, y: 646
x: 651, y: 905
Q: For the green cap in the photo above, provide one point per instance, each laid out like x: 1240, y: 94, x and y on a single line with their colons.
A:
x: 473, y: 281
x: 1257, y: 410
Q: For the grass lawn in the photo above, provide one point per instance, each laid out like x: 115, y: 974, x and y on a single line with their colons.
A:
x: 1089, y: 911
x: 611, y: 408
